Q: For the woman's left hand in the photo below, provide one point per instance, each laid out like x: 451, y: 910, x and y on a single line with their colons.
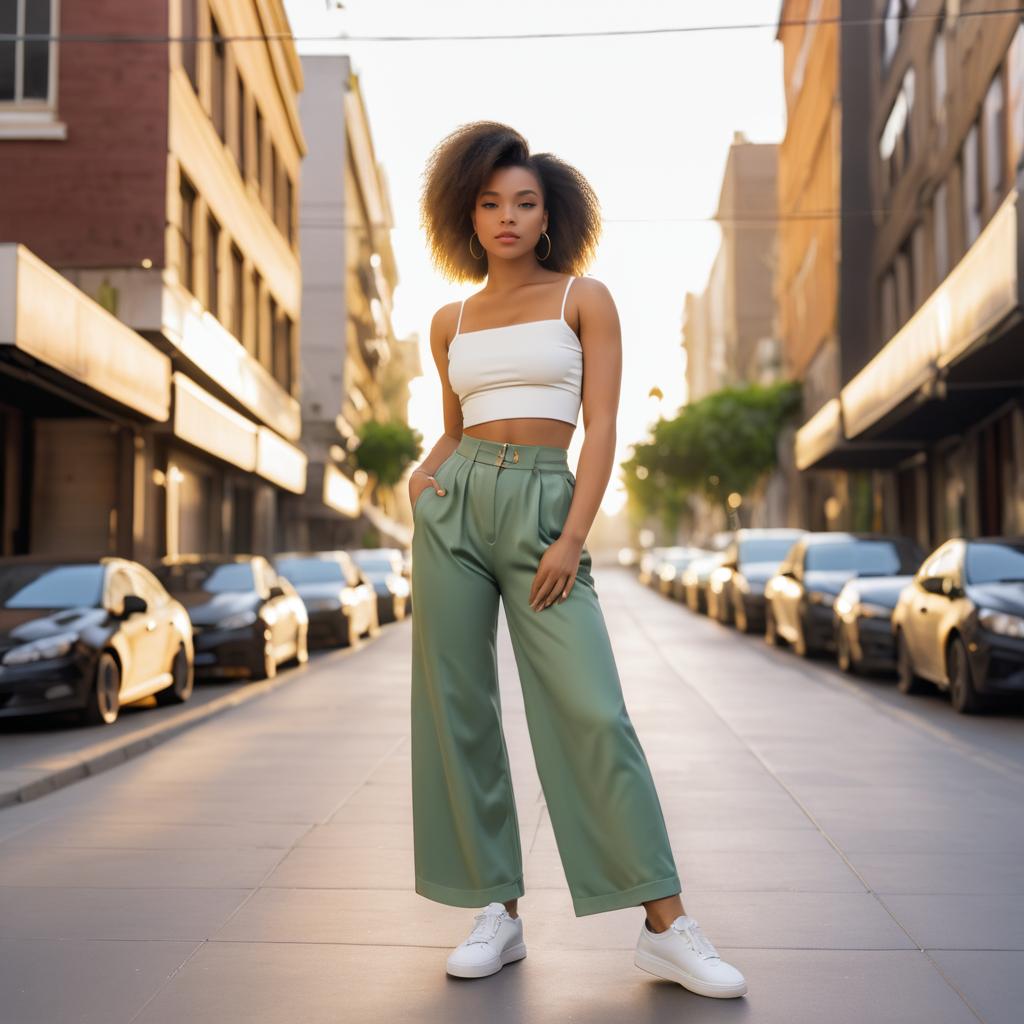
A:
x: 556, y: 573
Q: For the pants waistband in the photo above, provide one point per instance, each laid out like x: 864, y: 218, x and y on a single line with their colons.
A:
x: 512, y: 456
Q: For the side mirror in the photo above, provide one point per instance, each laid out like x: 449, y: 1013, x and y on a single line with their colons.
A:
x: 277, y: 590
x: 133, y: 605
x: 934, y: 584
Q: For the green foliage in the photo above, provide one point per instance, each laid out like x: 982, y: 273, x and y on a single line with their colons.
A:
x: 722, y: 443
x: 386, y: 449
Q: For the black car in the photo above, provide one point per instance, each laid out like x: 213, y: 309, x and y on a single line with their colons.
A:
x: 960, y: 624
x: 863, y: 623
x: 735, y: 590
x: 246, y: 620
x: 800, y: 596
x: 340, y: 601
x: 383, y: 567
x: 88, y: 635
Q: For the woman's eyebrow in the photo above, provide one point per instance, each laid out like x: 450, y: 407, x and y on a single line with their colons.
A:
x: 521, y: 192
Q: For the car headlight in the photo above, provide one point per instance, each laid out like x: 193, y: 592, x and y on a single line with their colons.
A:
x: 239, y: 620
x: 867, y: 610
x: 41, y: 650
x: 667, y: 572
x: 820, y: 597
x: 1001, y: 622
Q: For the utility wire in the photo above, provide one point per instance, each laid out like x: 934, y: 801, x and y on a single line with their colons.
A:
x: 498, y: 37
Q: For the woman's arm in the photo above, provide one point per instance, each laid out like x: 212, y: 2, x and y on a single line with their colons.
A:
x: 601, y: 339
x: 442, y: 327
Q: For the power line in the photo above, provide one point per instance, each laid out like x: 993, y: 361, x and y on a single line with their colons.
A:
x: 498, y: 37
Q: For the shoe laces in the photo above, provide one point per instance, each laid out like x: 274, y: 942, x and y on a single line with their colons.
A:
x: 700, y: 944
x: 486, y: 927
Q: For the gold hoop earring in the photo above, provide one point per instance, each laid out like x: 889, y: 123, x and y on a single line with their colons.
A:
x: 544, y: 234
x: 473, y: 254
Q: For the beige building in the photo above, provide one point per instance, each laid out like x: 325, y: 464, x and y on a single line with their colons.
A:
x: 728, y: 328
x: 354, y: 368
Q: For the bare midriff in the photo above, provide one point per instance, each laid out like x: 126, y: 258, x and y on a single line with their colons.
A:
x: 524, y: 430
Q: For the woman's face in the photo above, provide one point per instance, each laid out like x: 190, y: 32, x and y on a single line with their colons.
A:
x: 510, y: 204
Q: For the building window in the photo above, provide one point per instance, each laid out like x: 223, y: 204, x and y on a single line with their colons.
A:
x: 265, y: 306
x: 289, y: 208
x: 895, y: 145
x: 994, y: 114
x: 971, y: 186
x: 892, y: 27
x: 1015, y: 78
x: 237, y: 293
x: 213, y: 266
x: 919, y: 287
x: 218, y: 85
x: 240, y: 118
x: 940, y: 79
x: 270, y: 194
x: 283, y: 352
x: 189, y: 47
x: 940, y: 231
x: 904, y: 285
x: 887, y: 305
x: 186, y: 261
x: 261, y: 169
x: 252, y: 317
x: 26, y: 65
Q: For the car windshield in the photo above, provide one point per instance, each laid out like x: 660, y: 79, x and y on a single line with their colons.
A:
x: 865, y: 557
x: 765, y: 549
x: 310, y: 570
x: 369, y: 565
x: 213, y: 577
x: 989, y: 562
x: 51, y: 586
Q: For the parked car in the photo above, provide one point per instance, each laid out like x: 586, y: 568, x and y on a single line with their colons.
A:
x: 383, y: 568
x: 647, y: 566
x: 246, y: 620
x: 89, y: 634
x: 735, y: 590
x: 696, y: 577
x: 671, y: 564
x: 800, y: 596
x: 960, y: 624
x: 863, y: 623
x: 340, y: 602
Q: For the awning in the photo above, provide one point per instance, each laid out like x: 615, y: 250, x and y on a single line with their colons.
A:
x: 45, y: 316
x: 210, y: 425
x: 958, y: 356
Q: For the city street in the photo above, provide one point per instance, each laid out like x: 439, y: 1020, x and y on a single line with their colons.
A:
x: 856, y: 853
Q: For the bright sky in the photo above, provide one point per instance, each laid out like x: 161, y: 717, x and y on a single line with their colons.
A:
x: 647, y: 119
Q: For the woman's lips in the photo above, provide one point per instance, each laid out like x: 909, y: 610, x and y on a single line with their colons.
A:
x: 508, y: 238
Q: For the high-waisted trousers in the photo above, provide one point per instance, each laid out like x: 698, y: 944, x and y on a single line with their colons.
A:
x: 504, y: 504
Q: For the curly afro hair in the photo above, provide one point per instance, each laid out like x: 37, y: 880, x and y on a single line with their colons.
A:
x: 459, y: 166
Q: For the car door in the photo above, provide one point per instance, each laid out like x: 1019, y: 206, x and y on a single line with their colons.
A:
x: 928, y: 605
x: 135, y: 631
x: 276, y: 607
x: 787, y: 595
x: 165, y: 636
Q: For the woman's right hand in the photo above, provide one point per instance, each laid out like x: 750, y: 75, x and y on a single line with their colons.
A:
x: 428, y: 481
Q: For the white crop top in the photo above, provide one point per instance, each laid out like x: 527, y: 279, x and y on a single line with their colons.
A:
x: 529, y: 369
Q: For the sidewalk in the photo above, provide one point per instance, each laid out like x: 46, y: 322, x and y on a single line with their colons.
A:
x: 258, y: 868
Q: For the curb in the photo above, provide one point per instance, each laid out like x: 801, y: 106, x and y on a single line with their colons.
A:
x: 98, y: 757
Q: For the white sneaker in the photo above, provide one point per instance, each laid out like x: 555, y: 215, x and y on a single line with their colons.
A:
x: 496, y: 939
x: 681, y: 953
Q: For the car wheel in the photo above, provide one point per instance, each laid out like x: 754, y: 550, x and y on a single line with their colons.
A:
x: 907, y: 680
x: 844, y: 654
x: 771, y: 630
x: 266, y: 666
x: 962, y: 695
x: 183, y: 680
x: 104, y: 700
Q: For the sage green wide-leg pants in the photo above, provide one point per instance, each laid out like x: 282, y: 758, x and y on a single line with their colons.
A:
x: 481, y: 540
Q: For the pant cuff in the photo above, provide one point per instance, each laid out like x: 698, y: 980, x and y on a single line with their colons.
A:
x: 670, y: 886
x: 470, y: 897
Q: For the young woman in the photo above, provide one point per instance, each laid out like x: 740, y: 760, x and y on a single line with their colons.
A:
x: 498, y: 514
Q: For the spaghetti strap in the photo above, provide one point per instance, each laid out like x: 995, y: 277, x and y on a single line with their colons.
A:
x: 459, y: 324
x: 565, y: 296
